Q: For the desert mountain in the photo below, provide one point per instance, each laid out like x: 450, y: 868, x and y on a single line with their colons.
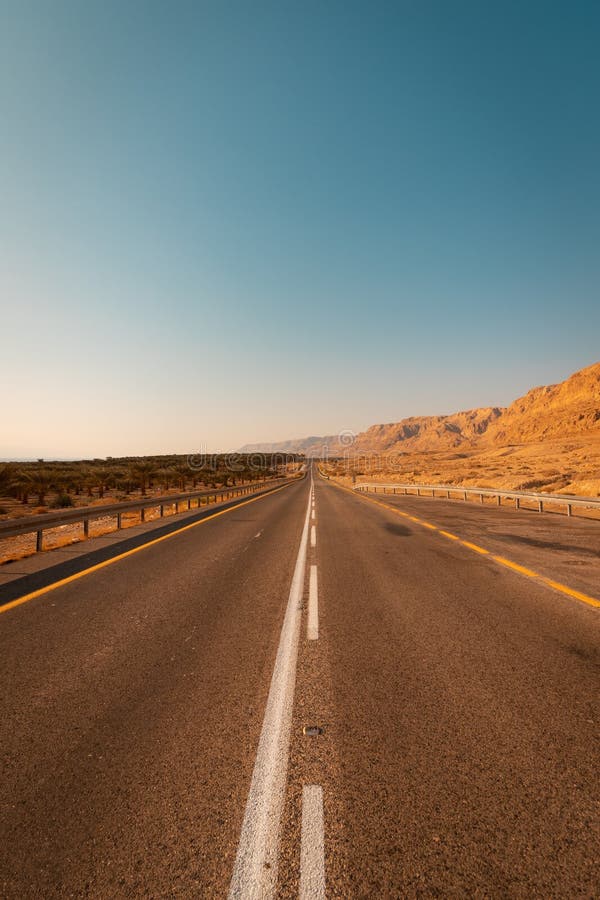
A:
x: 311, y: 446
x: 570, y: 408
x: 555, y: 411
x: 427, y: 432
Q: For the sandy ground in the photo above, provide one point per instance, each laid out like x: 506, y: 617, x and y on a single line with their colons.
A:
x: 558, y: 467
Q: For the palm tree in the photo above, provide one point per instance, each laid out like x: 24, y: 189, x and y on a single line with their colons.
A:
x: 201, y: 476
x: 63, y: 481
x: 182, y: 473
x: 86, y: 479
x: 212, y: 479
x: 20, y: 486
x: 141, y: 473
x: 7, y: 475
x: 100, y: 477
x: 42, y: 480
x: 122, y: 481
x: 165, y: 475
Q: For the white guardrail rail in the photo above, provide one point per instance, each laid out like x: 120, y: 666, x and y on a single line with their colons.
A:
x: 452, y: 491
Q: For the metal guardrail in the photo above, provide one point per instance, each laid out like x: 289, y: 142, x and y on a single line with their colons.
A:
x: 568, y: 500
x: 39, y: 523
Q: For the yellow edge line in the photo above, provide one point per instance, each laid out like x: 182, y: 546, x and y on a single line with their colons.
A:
x: 585, y: 598
x: 522, y: 570
x: 512, y: 565
x: 108, y: 562
x: 474, y: 547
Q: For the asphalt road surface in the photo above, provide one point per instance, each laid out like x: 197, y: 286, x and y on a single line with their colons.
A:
x: 333, y: 698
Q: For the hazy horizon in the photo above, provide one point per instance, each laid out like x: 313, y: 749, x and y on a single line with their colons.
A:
x: 226, y: 225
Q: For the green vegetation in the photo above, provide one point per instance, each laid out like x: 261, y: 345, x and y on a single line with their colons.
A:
x: 63, y: 501
x: 78, y: 483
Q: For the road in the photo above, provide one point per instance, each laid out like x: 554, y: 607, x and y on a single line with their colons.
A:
x: 295, y: 699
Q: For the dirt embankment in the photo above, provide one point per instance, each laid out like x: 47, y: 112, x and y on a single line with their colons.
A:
x: 558, y: 466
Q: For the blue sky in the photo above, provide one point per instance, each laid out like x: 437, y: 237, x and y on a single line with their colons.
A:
x: 227, y: 222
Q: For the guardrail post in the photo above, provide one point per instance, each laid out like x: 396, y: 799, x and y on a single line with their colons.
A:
x: 86, y: 528
x: 499, y: 499
x: 540, y: 506
x: 569, y: 509
x: 447, y: 495
x: 481, y: 498
x: 162, y: 510
x: 517, y: 503
x: 142, y: 514
x: 418, y: 492
x: 119, y: 520
x: 465, y: 495
x: 38, y: 541
x: 189, y: 502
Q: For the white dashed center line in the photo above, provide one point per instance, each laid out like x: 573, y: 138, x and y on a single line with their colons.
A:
x: 312, y: 626
x: 312, y: 846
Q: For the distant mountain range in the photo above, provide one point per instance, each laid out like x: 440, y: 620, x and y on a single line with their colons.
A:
x: 311, y: 446
x: 570, y: 408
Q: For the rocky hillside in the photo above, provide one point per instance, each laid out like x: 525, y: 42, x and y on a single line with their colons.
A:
x: 570, y: 408
x: 555, y: 411
x: 428, y: 432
